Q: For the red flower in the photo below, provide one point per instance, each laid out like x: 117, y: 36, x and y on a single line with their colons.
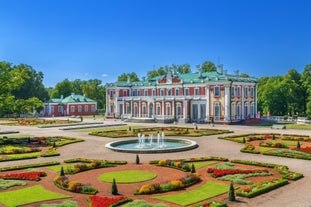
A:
x: 104, y: 201
x: 24, y: 176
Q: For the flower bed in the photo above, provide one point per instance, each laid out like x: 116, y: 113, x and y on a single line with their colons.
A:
x: 50, y: 152
x: 262, y: 187
x: 104, y: 201
x: 34, y: 176
x: 18, y: 150
x: 63, y: 182
x: 18, y: 167
x: 219, y: 172
x: 273, y: 144
x: 173, y: 185
x: 176, y: 164
x: 249, y: 148
x: 116, y: 162
x: 213, y: 204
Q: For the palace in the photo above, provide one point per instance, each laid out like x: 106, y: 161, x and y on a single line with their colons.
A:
x: 201, y: 97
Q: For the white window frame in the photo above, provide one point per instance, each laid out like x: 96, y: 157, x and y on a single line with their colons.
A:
x: 217, y: 91
x: 186, y: 91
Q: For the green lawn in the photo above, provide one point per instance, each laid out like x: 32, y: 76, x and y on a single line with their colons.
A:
x: 203, y: 164
x: 28, y: 195
x: 299, y: 126
x: 208, y: 190
x: 127, y: 176
x: 24, y: 155
x: 57, y: 168
x: 265, y: 149
x: 108, y: 128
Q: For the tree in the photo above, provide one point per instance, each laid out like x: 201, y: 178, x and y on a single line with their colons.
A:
x: 137, y: 160
x: 114, y: 189
x: 231, y: 193
x: 244, y: 75
x: 192, y: 168
x: 208, y: 66
x: 124, y: 76
x: 62, y: 173
x: 305, y: 82
x: 63, y: 88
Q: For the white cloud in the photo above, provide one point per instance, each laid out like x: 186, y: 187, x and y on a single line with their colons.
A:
x: 104, y: 75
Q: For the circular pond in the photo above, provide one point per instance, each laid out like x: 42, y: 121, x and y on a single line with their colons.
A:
x: 148, y: 146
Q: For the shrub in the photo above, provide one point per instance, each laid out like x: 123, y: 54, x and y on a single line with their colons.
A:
x: 137, y: 160
x: 114, y: 189
x: 231, y: 194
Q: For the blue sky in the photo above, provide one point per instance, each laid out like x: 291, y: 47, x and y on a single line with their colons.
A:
x: 87, y: 39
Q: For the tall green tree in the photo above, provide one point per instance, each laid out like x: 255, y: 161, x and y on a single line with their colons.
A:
x: 133, y: 77
x: 208, y: 66
x: 305, y: 82
x: 63, y: 88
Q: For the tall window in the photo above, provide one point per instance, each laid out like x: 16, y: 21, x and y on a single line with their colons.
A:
x: 128, y: 108
x: 60, y: 108
x: 178, y: 109
x: 154, y: 92
x: 252, y: 111
x: 196, y: 91
x: 216, y: 91
x: 93, y: 108
x: 252, y: 91
x: 186, y: 91
x: 216, y: 111
x: 86, y: 108
x: 146, y: 92
x: 168, y: 109
x: 72, y: 108
x: 162, y: 92
x: 232, y: 91
x: 246, y: 91
x: 138, y: 93
x: 144, y: 110
x: 158, y: 109
x: 239, y: 90
x: 79, y: 108
x: 177, y: 92
x: 169, y: 92
x: 111, y: 94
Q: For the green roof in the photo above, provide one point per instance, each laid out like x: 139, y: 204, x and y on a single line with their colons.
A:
x: 188, y: 78
x: 71, y: 99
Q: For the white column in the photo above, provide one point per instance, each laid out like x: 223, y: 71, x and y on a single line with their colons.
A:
x: 173, y: 108
x: 242, y: 104
x: 185, y: 109
x: 227, y: 103
x: 163, y: 108
x: 207, y: 102
x: 139, y: 108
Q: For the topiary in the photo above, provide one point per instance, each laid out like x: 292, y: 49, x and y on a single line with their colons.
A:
x: 192, y: 168
x: 62, y: 173
x: 114, y: 189
x: 298, y: 144
x: 137, y: 160
x: 231, y: 194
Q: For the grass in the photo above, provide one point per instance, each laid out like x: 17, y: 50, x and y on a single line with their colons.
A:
x: 24, y: 155
x: 265, y: 149
x: 17, y: 136
x: 299, y: 126
x: 28, y: 195
x: 109, y: 129
x: 198, y: 165
x: 5, y: 184
x: 206, y: 191
x: 57, y: 168
x: 127, y: 176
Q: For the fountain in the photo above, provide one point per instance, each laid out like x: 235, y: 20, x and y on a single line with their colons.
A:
x: 141, y: 145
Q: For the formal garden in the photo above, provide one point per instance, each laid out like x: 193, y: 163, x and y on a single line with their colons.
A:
x: 206, y: 181
x: 203, y: 181
x: 275, y: 144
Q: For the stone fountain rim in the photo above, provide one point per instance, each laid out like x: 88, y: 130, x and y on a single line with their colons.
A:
x: 192, y: 145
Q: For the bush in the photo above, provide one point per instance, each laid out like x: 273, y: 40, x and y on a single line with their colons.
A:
x: 231, y: 194
x: 114, y: 189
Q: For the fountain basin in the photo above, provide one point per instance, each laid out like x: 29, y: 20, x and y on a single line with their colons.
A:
x: 171, y: 145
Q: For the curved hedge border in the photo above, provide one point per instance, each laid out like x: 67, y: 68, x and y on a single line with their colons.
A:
x: 18, y: 167
x: 262, y: 187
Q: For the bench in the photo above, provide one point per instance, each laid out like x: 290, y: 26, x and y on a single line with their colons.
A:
x: 278, y: 126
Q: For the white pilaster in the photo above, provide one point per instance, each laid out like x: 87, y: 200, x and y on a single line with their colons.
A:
x: 242, y: 104
x: 207, y: 102
x: 227, y: 103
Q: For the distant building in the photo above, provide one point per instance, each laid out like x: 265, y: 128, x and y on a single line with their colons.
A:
x: 194, y: 97
x: 69, y: 106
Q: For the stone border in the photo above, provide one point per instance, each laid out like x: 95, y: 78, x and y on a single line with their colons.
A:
x: 190, y: 146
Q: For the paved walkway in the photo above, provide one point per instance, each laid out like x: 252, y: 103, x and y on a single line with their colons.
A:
x: 296, y: 194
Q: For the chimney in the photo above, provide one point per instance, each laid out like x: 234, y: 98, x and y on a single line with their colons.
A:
x: 220, y: 68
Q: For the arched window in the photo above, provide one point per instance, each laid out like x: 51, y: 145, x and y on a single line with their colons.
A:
x: 168, y: 109
x: 158, y: 109
x: 217, y: 111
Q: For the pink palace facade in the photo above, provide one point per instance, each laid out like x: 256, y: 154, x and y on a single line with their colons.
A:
x: 195, y: 97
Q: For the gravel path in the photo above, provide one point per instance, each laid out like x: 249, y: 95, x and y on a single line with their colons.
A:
x: 296, y: 194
